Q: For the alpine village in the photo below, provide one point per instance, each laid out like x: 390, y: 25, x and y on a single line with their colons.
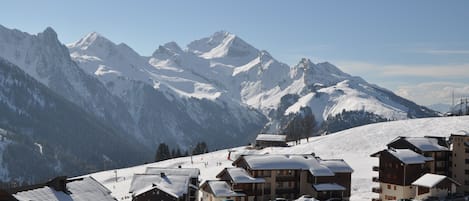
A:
x: 420, y: 168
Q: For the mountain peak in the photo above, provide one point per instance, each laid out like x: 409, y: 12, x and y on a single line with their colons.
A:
x: 168, y: 49
x: 222, y: 44
x: 49, y: 34
x: 93, y: 38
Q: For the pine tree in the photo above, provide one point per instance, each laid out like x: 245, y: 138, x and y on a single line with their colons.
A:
x: 200, y: 148
x: 162, y: 153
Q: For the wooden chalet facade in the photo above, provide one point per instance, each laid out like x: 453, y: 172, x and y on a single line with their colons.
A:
x: 433, y: 186
x: 271, y: 140
x: 398, y: 168
x: 266, y: 177
x: 171, y: 184
x: 428, y: 146
x: 216, y: 190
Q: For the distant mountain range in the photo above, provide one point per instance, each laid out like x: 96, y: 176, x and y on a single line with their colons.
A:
x: 219, y: 89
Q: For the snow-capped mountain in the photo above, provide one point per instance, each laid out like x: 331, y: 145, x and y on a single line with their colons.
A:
x: 224, y: 68
x: 220, y: 89
x: 169, y: 103
x: 43, y: 57
x: 42, y: 134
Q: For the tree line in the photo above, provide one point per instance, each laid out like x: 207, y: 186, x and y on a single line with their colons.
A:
x: 164, y: 152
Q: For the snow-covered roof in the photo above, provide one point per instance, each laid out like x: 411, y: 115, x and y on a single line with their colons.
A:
x: 191, y: 172
x: 306, y: 198
x: 288, y: 162
x: 222, y: 189
x: 336, y: 165
x: 328, y: 187
x: 461, y: 132
x: 431, y: 180
x: 271, y: 137
x: 408, y: 156
x: 426, y: 143
x: 80, y: 190
x: 175, y: 185
x: 240, y: 176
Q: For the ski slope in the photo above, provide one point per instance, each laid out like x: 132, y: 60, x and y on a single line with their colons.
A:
x: 353, y: 145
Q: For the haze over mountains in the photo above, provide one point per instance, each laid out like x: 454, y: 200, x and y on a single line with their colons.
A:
x: 219, y: 89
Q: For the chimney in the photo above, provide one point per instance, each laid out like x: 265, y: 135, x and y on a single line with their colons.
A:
x: 179, y: 166
x: 162, y: 174
x: 58, y: 184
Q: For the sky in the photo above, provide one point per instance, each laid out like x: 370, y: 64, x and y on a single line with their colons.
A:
x: 419, y: 49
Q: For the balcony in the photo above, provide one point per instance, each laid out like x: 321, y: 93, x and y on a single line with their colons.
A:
x: 376, y: 190
x: 287, y: 178
x: 375, y: 179
x: 375, y: 168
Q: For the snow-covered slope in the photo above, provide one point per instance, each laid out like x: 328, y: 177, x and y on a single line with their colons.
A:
x: 353, y: 145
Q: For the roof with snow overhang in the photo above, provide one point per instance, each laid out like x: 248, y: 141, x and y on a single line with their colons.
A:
x: 222, y: 189
x: 191, y: 172
x: 271, y: 138
x: 408, y: 156
x: 431, y: 180
x: 336, y: 165
x: 287, y: 162
x: 175, y: 185
x: 240, y: 176
x: 328, y: 187
x: 80, y: 190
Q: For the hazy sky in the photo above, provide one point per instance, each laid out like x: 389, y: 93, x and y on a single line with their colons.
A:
x: 418, y: 49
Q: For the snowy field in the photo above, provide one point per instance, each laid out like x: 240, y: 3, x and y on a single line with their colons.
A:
x: 354, y: 146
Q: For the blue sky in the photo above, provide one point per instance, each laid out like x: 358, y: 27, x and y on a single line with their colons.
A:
x: 418, y: 49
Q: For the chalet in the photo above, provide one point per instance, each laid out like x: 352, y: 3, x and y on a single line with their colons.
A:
x: 434, y: 186
x: 241, y: 181
x: 191, y: 173
x: 60, y: 188
x: 213, y: 190
x: 460, y: 160
x: 271, y: 140
x: 160, y: 187
x: 290, y: 176
x: 428, y: 146
x: 398, y: 168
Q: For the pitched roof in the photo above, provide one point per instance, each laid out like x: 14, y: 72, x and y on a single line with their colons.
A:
x: 423, y: 143
x: 287, y: 162
x: 336, y: 165
x: 328, y: 187
x: 241, y: 176
x: 175, y: 185
x: 461, y: 133
x: 431, y: 180
x: 426, y: 143
x: 191, y: 172
x: 222, y: 189
x: 408, y: 156
x: 271, y: 137
x: 80, y: 190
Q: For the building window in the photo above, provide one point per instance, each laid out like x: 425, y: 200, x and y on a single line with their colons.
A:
x: 394, y: 187
x: 466, y: 171
x: 389, y: 186
x: 467, y: 161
